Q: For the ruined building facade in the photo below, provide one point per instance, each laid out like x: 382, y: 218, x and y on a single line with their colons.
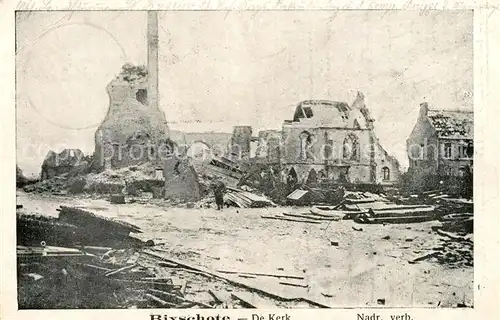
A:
x: 134, y: 130
x: 331, y: 141
x: 268, y: 148
x: 441, y: 145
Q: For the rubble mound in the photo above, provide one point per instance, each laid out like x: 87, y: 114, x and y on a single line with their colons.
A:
x: 129, y: 180
x: 57, y: 185
x: 68, y: 161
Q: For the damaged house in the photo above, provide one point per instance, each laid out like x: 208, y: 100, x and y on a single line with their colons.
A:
x: 441, y: 147
x: 330, y: 141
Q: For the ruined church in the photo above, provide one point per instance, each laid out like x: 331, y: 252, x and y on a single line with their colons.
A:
x: 331, y: 141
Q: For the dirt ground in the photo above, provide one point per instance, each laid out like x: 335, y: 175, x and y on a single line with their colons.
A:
x: 363, y: 269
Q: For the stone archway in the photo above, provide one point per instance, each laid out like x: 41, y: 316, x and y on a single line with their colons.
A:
x: 199, y: 151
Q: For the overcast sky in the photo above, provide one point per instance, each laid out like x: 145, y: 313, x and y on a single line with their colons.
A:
x: 219, y: 69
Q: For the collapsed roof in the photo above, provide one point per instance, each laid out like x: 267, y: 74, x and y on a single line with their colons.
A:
x: 452, y: 123
x: 334, y: 114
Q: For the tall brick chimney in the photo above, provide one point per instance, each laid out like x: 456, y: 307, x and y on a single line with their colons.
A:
x: 153, y: 59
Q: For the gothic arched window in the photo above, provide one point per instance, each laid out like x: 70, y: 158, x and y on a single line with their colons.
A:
x: 351, y: 148
x: 387, y: 173
x: 306, y: 140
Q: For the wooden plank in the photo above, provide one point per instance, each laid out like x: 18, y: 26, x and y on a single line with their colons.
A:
x: 93, y: 267
x: 243, y: 302
x: 312, y: 217
x: 274, y: 275
x: 218, y: 296
x: 120, y: 270
x: 183, y: 286
x: 424, y: 257
x: 293, y: 284
x: 155, y: 279
x: 287, y: 219
x: 93, y: 248
x: 167, y: 265
x: 403, y: 207
x: 364, y: 219
x: 403, y: 212
x: 360, y: 201
x: 328, y: 213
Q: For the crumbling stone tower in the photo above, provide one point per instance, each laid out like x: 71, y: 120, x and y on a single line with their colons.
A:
x: 134, y: 130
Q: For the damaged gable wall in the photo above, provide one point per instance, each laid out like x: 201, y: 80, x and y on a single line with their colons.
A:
x: 388, y: 168
x: 422, y: 145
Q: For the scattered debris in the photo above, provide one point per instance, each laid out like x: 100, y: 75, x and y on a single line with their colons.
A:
x: 245, y: 199
x: 308, y: 195
x: 104, y: 248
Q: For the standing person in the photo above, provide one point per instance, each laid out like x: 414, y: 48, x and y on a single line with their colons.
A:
x: 219, y: 188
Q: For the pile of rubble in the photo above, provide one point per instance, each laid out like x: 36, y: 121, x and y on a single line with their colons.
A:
x: 92, y: 278
x: 370, y: 208
x: 57, y: 185
x: 130, y: 180
x: 245, y: 199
